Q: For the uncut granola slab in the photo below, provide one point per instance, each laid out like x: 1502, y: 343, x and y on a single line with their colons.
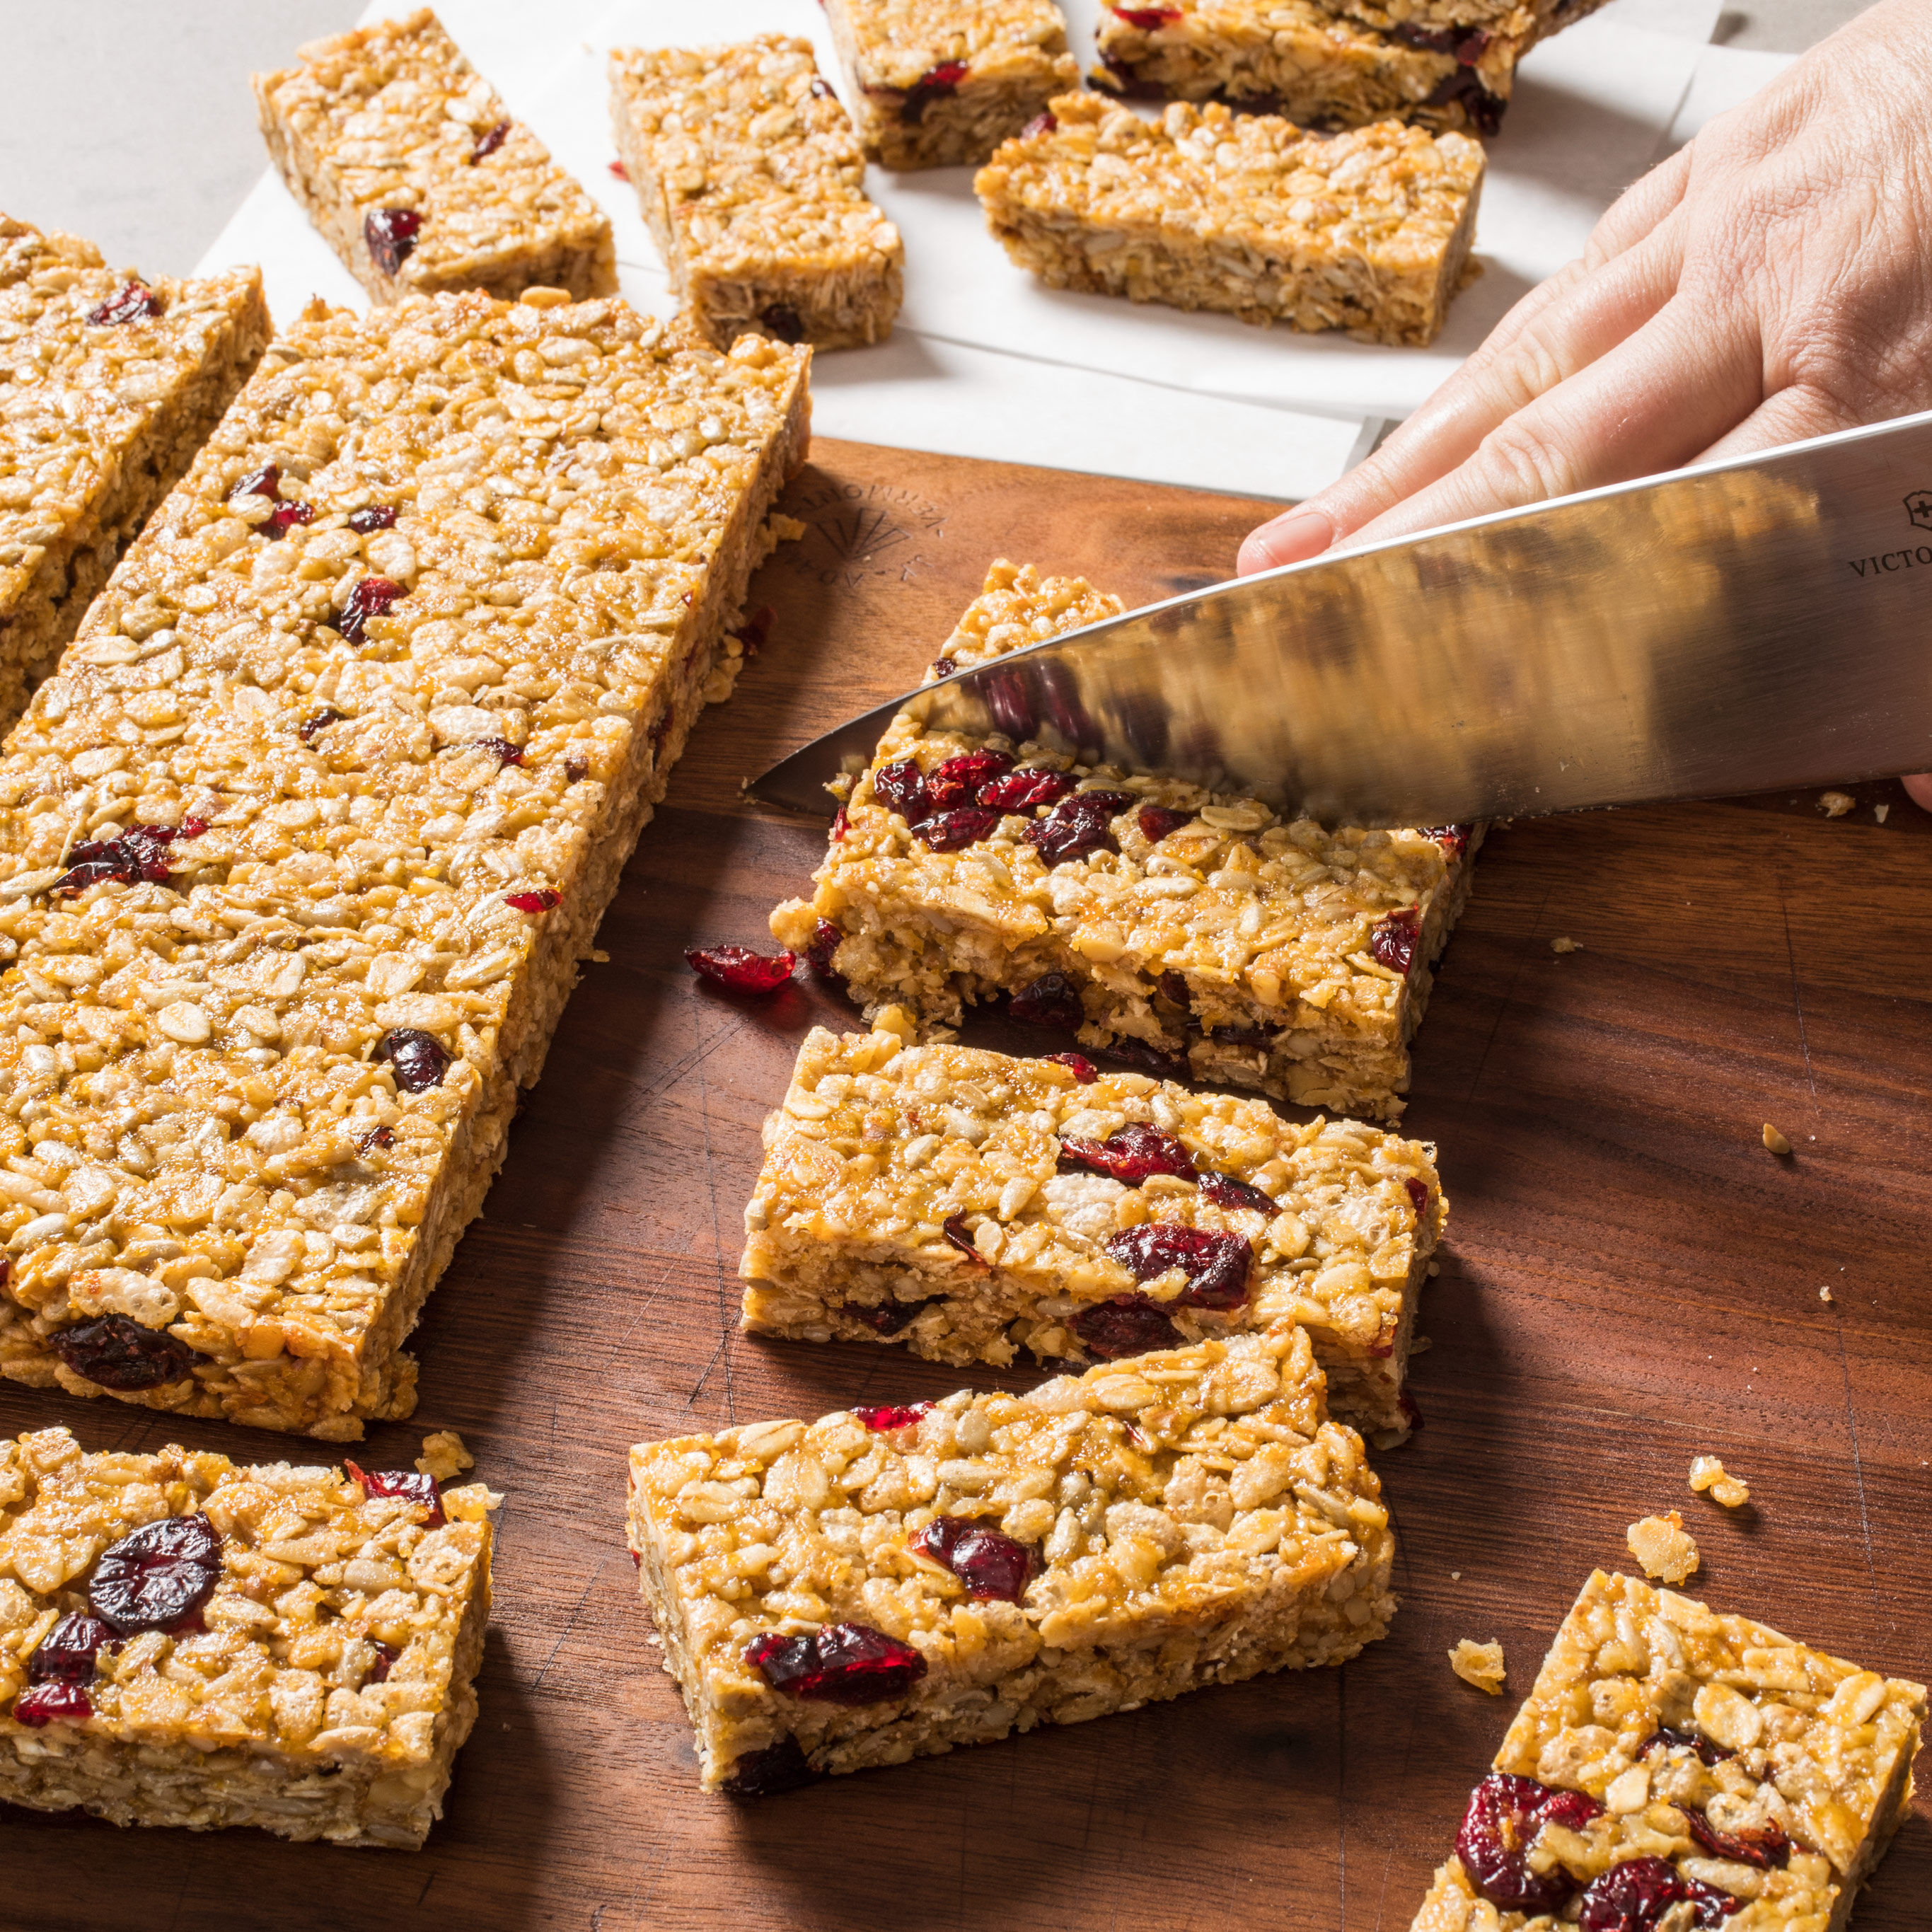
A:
x: 887, y: 1582
x: 1440, y: 64
x: 187, y: 1641
x: 108, y: 386
x: 941, y: 83
x: 1367, y: 231
x: 969, y: 1205
x: 752, y: 182
x: 1677, y: 1766
x: 412, y: 170
x: 300, y: 847
x: 1141, y: 915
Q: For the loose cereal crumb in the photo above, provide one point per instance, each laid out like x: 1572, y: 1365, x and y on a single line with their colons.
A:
x: 1455, y: 1575
x: 1708, y: 1476
x: 598, y: 956
x: 1881, y: 812
x: 1435, y: 1269
x: 1480, y: 1664
x: 1421, y: 1345
x: 1824, y: 1294
x: 1664, y: 1548
x: 444, y: 1456
x: 1566, y: 946
x: 1775, y: 1140
x: 1835, y: 804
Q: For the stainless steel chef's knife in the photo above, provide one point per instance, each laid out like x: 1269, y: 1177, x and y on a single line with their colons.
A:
x: 1762, y: 621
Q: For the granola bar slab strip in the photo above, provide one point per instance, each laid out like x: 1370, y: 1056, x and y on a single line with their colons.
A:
x: 300, y: 847
x: 889, y: 1582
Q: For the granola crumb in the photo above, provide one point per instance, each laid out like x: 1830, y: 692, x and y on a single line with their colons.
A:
x: 1835, y: 804
x: 1566, y: 946
x: 1480, y: 1664
x: 1775, y: 1140
x: 1455, y: 1575
x: 1420, y: 1345
x: 1824, y: 1294
x: 1663, y: 1547
x: 1881, y: 812
x: 1435, y: 1269
x: 1707, y: 1477
x: 598, y: 956
x: 444, y: 1456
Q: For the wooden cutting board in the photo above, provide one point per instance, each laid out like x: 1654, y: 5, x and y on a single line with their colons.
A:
x: 1630, y: 1279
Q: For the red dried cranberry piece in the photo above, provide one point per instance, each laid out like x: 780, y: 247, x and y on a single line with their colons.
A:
x: 1083, y: 1070
x: 158, y: 1577
x: 140, y: 853
x: 943, y: 79
x: 1044, y: 122
x: 826, y: 940
x: 1173, y: 986
x: 1052, y: 999
x: 955, y: 1230
x: 838, y: 1663
x: 1078, y: 825
x: 1766, y: 1848
x: 1485, y: 109
x: 943, y: 667
x: 1217, y: 1265
x: 1503, y: 1815
x: 41, y: 1704
x: 821, y: 89
x: 371, y: 597
x: 949, y: 831
x: 1418, y: 1195
x: 1454, y: 839
x: 376, y: 517
x: 882, y: 1417
x: 958, y: 782
x: 413, y: 1485
x: 1411, y: 1413
x: 741, y: 969
x: 284, y: 517
x: 763, y: 1774
x: 1130, y: 1155
x: 1242, y: 1036
x: 502, y: 750
x: 755, y: 631
x: 901, y: 787
x: 992, y: 1566
x: 1392, y: 943
x: 1224, y: 1191
x: 1148, y: 19
x: 545, y: 899
x: 391, y: 233
x: 309, y: 727
x: 387, y: 1657
x: 1030, y: 787
x: 1150, y: 1059
x: 66, y: 1655
x: 376, y: 1137
x: 137, y: 302
x: 842, y: 824
x: 1468, y: 48
x: 487, y: 146
x: 1157, y: 821
x: 618, y: 168
x: 118, y: 1353
x: 264, y: 482
x: 1664, y: 1738
x: 889, y: 1317
x: 418, y: 1060
x: 1130, y: 1325
x: 782, y: 320
x: 576, y: 767
x: 1634, y: 1896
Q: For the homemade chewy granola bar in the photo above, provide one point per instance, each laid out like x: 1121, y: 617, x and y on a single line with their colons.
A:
x: 108, y: 386
x: 1152, y: 917
x: 1206, y: 209
x: 970, y: 1204
x: 752, y: 182
x: 187, y: 1641
x: 1675, y: 1767
x: 406, y: 160
x: 1441, y: 64
x: 941, y: 83
x: 300, y: 847
x: 890, y: 1581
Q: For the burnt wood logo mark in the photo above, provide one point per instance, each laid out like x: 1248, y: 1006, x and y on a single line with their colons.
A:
x: 859, y: 530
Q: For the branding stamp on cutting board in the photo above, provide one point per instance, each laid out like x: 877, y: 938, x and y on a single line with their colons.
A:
x: 856, y: 531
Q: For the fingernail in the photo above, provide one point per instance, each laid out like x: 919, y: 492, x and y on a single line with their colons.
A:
x: 1293, y: 538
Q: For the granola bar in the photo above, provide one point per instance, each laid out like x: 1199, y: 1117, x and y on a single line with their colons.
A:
x: 1151, y: 916
x: 969, y: 1205
x: 1440, y: 63
x: 1676, y: 1765
x: 751, y: 180
x: 941, y: 83
x: 407, y: 162
x: 185, y: 1641
x: 301, y: 845
x: 1368, y: 231
x: 108, y: 386
x: 886, y: 1582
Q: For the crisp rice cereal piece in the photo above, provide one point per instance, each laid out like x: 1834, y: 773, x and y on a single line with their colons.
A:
x: 1271, y: 954
x: 948, y: 1198
x: 1179, y: 1519
x: 1709, y: 1477
x: 300, y: 847
x: 413, y: 172
x: 751, y: 180
x: 1755, y: 1779
x: 941, y: 83
x: 325, y: 1683
x: 108, y: 386
x: 1480, y: 1664
x: 444, y: 1456
x: 1664, y: 1547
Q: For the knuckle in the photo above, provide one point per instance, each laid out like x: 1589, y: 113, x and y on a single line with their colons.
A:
x: 1519, y: 465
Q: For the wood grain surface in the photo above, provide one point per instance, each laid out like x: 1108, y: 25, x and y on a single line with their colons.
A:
x: 1630, y: 1279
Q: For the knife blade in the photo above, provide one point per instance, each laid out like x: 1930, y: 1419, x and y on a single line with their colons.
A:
x: 1732, y: 627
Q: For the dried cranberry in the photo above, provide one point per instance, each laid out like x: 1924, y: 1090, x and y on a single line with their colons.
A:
x: 67, y: 1653
x: 413, y: 1485
x: 1030, y: 786
x: 284, y: 517
x: 763, y: 1774
x: 838, y: 1663
x: 943, y: 79
x: 1411, y: 1413
x: 901, y: 787
x: 1504, y: 1815
x: 376, y: 1137
x: 889, y: 1317
x: 1224, y: 1191
x: 502, y: 750
x: 1150, y: 1058
x: 1173, y: 986
x: 1766, y: 1848
x: 140, y: 853
x: 956, y: 1231
x: 371, y: 597
x: 487, y: 146
x: 1156, y: 821
x: 1464, y: 87
x: 883, y: 1417
x: 958, y: 782
x: 1664, y: 1738
x: 545, y: 899
x: 418, y: 1060
x: 311, y: 727
x: 1052, y: 999
x: 1392, y: 943
x: 1217, y: 1265
x: 1043, y: 123
x: 376, y: 517
x: 1468, y: 46
x: 1149, y: 18
x: 949, y: 831
x: 41, y: 1704
x: 1083, y: 1070
x: 576, y: 767
x: 158, y: 1577
x: 826, y: 941
x: 137, y: 302
x: 782, y: 320
x: 1454, y: 839
x: 943, y: 667
x: 1132, y: 1154
x: 1078, y: 825
x: 992, y: 1566
x: 1634, y: 1896
x: 741, y: 969
x: 821, y: 89
x: 118, y: 1354
x: 618, y: 168
x: 1130, y: 1325
x: 842, y: 824
x: 391, y: 233
x: 387, y: 1657
x: 1418, y: 1195
x: 756, y: 630
x: 264, y: 482
x: 1243, y: 1036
